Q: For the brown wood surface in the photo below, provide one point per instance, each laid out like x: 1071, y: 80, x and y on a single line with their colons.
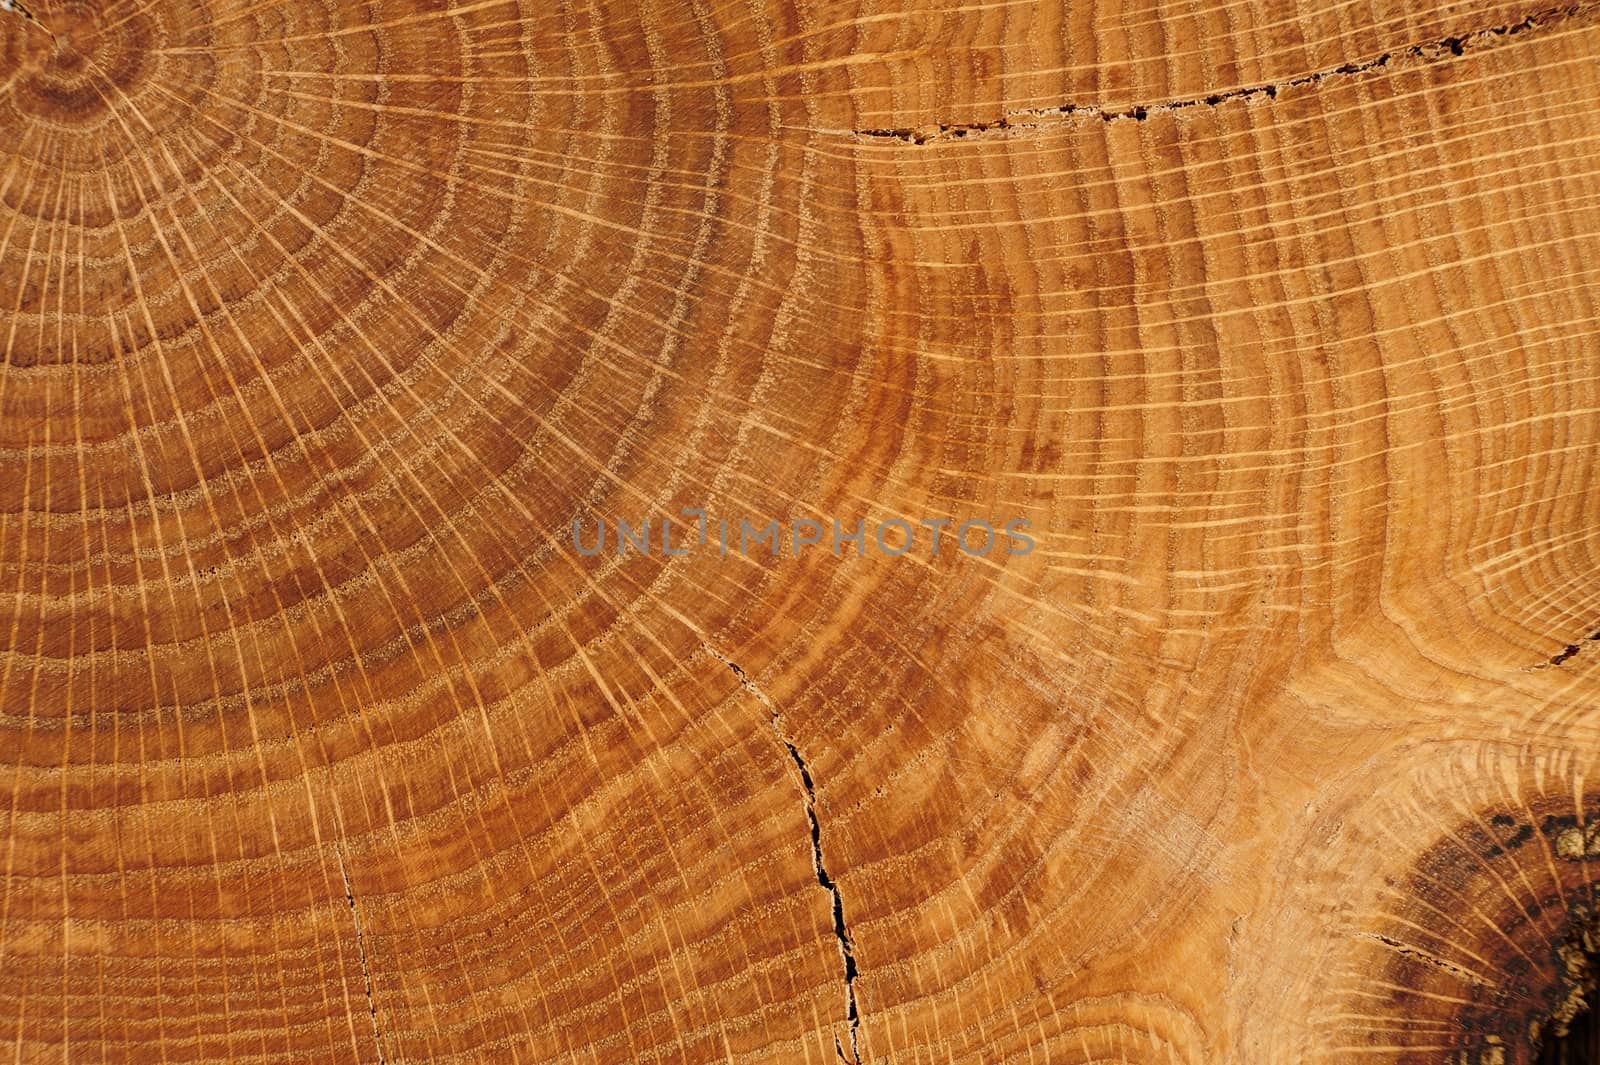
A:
x: 320, y: 741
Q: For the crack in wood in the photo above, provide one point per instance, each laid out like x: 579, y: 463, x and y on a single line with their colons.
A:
x: 17, y: 7
x: 1026, y: 119
x: 361, y: 952
x: 1570, y: 650
x: 1567, y: 652
x: 1416, y: 954
x: 841, y: 928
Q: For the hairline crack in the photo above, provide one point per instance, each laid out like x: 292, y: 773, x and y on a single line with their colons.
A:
x: 361, y: 952
x: 1027, y: 118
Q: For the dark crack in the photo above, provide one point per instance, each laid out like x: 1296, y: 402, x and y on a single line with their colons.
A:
x: 841, y: 929
x: 29, y: 19
x: 361, y: 951
x: 1567, y: 652
x: 1422, y: 956
x: 1029, y: 119
x: 17, y: 7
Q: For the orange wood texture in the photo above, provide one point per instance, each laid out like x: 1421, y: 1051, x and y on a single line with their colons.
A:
x: 321, y: 740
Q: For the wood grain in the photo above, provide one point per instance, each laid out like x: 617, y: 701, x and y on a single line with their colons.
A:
x: 321, y: 740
